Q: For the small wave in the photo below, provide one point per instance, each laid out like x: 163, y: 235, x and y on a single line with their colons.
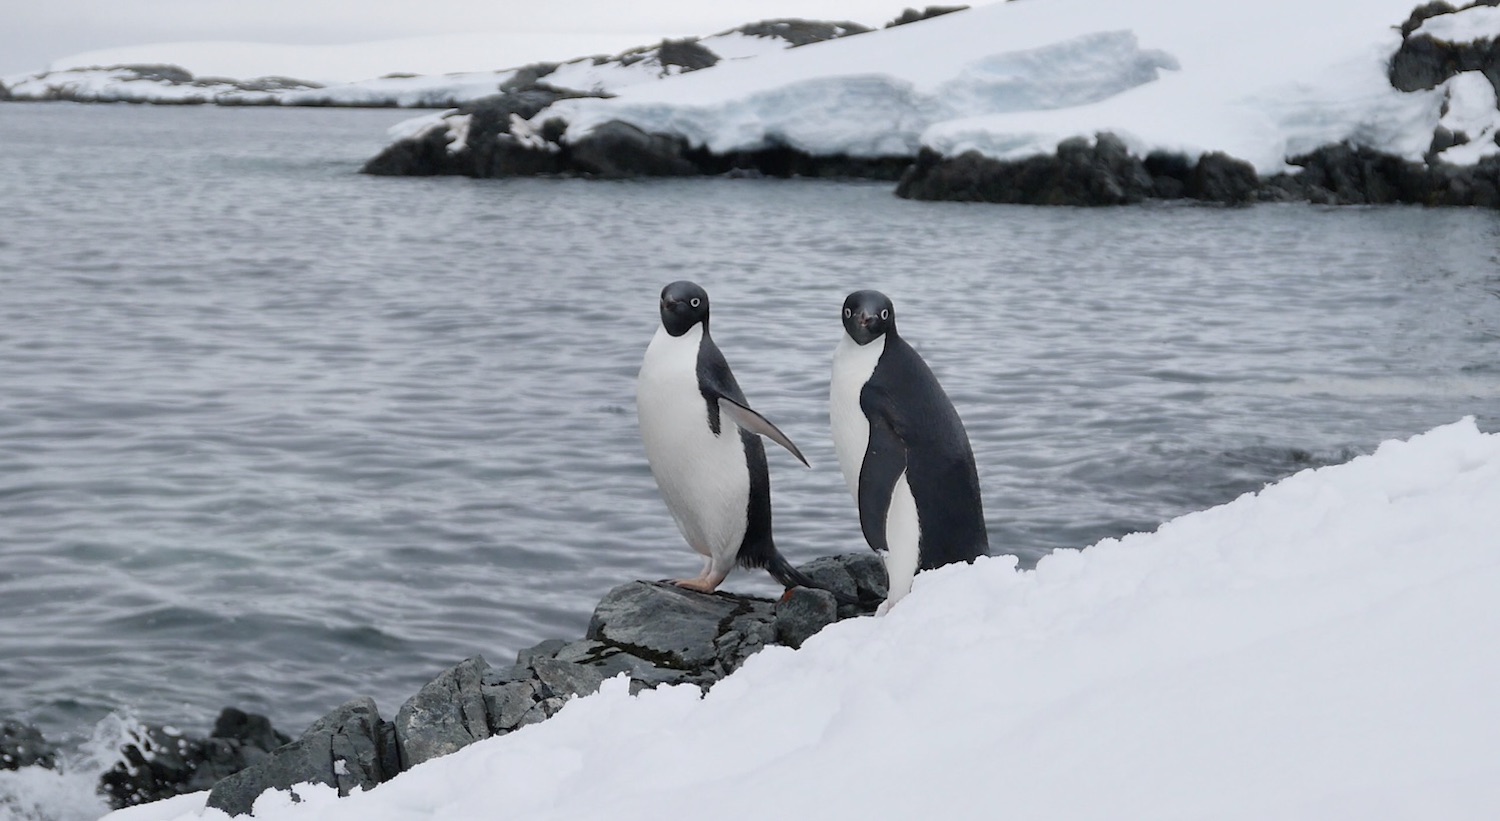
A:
x: 70, y: 792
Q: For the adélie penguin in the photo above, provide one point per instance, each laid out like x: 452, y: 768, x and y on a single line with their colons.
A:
x: 703, y: 443
x: 902, y: 449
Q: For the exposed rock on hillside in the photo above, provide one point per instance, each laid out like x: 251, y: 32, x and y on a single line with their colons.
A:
x: 651, y: 632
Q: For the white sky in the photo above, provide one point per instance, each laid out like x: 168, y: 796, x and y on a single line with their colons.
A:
x: 36, y: 32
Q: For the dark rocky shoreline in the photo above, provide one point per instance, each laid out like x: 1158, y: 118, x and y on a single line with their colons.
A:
x: 653, y: 633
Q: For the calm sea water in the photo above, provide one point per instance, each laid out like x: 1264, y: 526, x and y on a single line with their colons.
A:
x: 274, y: 434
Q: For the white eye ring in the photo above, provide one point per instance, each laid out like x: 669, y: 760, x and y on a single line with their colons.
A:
x: 848, y: 312
x: 885, y: 314
x: 695, y: 302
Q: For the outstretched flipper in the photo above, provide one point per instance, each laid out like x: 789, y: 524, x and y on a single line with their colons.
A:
x: 755, y: 423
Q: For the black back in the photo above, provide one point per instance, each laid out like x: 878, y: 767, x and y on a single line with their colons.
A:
x: 914, y: 427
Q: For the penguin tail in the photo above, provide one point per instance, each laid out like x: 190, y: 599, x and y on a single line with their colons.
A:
x: 782, y: 571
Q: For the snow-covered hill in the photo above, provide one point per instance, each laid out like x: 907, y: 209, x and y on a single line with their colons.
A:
x: 396, y: 73
x: 1324, y: 649
x: 1259, y: 81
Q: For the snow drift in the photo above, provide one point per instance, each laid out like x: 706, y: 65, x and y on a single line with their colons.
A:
x: 1323, y: 649
x: 1258, y: 81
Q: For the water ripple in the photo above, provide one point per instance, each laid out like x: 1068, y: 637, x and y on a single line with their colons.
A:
x: 275, y: 434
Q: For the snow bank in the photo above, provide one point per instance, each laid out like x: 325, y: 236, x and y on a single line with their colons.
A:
x: 1259, y: 81
x: 1324, y: 649
x: 345, y: 63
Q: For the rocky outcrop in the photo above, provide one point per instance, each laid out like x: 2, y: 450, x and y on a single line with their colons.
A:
x: 474, y: 141
x: 348, y: 748
x: 1425, y: 62
x: 162, y: 762
x: 150, y: 83
x: 1082, y: 172
x: 914, y: 16
x: 489, y: 136
x: 1103, y: 173
x: 652, y: 633
x: 1353, y: 175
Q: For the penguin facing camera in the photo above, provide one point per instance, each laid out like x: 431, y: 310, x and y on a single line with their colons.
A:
x: 902, y: 448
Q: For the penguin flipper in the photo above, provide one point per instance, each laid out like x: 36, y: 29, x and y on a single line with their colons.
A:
x: 885, y: 461
x: 755, y: 423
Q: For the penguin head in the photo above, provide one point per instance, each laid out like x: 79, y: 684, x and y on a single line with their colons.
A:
x: 683, y: 305
x: 868, y: 315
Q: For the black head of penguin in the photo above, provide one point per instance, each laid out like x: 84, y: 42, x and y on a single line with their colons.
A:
x: 683, y: 305
x: 868, y: 315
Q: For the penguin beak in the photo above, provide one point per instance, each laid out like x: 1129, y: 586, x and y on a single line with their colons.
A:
x: 865, y: 319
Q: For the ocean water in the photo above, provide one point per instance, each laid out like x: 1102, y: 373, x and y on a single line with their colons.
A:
x: 274, y: 434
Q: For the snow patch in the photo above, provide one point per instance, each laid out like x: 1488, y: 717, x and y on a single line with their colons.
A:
x: 1473, y: 109
x: 1468, y: 25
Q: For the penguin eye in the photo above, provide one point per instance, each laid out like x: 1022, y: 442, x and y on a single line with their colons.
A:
x: 695, y: 302
x: 885, y: 313
x: 848, y: 312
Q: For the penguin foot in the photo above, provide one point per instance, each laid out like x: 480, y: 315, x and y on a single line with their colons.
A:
x: 700, y: 585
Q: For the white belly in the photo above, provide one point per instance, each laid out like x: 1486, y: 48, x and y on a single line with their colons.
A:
x: 702, y: 477
x: 852, y: 365
x: 903, y: 539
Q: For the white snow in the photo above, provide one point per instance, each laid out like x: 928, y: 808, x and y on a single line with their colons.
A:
x: 1472, y: 109
x: 1324, y: 649
x: 1474, y: 23
x: 344, y: 63
x: 1261, y: 81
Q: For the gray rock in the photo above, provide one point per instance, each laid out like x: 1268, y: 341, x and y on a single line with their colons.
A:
x: 506, y: 675
x: 22, y: 745
x: 911, y: 15
x: 1219, y: 177
x: 161, y: 762
x: 254, y: 731
x: 565, y: 679
x: 1080, y: 173
x: 543, y: 649
x: 803, y: 612
x: 506, y: 704
x: 445, y: 716
x: 544, y: 709
x: 831, y: 573
x: 619, y: 150
x: 350, y: 747
x: 664, y: 624
x: 745, y: 635
x: 868, y: 572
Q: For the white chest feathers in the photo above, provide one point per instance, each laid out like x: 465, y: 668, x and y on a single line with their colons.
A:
x: 853, y: 364
x: 703, y: 478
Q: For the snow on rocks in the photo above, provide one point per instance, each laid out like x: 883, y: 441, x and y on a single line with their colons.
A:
x: 1028, y: 102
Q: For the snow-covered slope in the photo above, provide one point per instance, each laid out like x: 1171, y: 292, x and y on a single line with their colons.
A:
x: 349, y: 63
x: 1325, y: 649
x: 1259, y: 81
x: 475, y: 66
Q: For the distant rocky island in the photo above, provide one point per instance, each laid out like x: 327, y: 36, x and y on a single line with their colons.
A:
x: 157, y: 84
x: 587, y: 118
x: 510, y: 135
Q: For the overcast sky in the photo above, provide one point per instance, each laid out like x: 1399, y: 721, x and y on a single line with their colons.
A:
x: 36, y: 32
